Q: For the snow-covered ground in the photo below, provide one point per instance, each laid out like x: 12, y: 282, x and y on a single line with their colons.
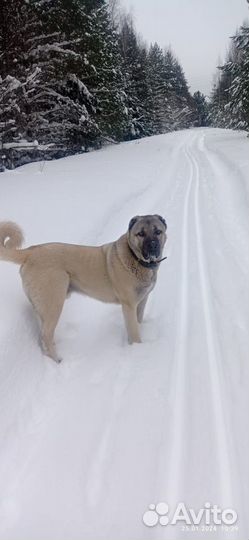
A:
x: 86, y: 446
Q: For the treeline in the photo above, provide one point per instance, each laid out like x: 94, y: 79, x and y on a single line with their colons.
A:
x: 229, y: 105
x: 72, y: 78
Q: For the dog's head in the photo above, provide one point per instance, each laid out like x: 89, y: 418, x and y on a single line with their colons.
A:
x: 146, y: 237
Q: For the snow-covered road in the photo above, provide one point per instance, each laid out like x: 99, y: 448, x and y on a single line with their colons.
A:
x: 88, y: 445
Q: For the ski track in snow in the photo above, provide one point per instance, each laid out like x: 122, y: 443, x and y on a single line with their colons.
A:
x: 224, y: 443
x: 174, y: 469
x: 212, y: 346
x: 87, y: 446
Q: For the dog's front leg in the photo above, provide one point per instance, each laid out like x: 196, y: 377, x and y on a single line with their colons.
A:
x: 130, y: 316
x: 141, y: 308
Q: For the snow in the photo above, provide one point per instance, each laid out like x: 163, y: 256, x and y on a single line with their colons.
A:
x: 23, y: 143
x: 81, y: 86
x: 116, y: 431
x: 13, y: 83
x: 54, y: 47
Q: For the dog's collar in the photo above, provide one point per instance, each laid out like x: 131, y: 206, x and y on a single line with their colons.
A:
x: 151, y: 264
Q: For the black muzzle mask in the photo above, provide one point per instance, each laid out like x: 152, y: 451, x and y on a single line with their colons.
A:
x: 151, y: 248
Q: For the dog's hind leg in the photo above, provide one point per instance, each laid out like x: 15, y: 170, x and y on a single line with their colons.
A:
x: 47, y: 293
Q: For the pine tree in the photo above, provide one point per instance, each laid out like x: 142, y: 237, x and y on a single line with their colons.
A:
x: 160, y: 88
x: 57, y: 111
x: 172, y: 104
x: 239, y: 91
x: 136, y: 84
x: 62, y: 110
x: 105, y: 78
x: 201, y: 106
x: 229, y: 106
x: 16, y: 80
x: 181, y: 108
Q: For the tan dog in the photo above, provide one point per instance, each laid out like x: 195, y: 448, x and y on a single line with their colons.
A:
x: 122, y: 272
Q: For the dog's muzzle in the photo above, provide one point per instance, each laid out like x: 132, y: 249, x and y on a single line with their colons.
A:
x: 151, y: 249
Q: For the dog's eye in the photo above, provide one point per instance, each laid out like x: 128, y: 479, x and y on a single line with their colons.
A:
x: 141, y: 233
x: 158, y: 232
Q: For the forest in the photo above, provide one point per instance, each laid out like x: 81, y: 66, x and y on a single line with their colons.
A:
x: 75, y: 74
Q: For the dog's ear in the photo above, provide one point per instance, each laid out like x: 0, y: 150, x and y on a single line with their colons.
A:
x: 162, y: 220
x: 132, y: 222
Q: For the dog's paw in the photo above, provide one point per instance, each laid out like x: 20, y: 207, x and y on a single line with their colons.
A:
x: 58, y: 360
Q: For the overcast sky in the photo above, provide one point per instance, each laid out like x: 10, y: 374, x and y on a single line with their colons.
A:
x: 197, y: 30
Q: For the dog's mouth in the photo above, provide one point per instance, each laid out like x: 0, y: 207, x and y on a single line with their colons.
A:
x: 151, y: 251
x: 151, y: 259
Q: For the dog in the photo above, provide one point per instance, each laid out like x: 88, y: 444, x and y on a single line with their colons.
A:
x: 121, y: 272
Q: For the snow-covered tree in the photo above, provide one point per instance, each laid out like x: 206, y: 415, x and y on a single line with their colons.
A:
x: 136, y: 83
x: 238, y: 103
x: 230, y: 96
x: 172, y: 104
x: 202, y: 112
x: 57, y: 110
x: 180, y: 103
x: 160, y: 88
x: 71, y: 79
x: 105, y: 77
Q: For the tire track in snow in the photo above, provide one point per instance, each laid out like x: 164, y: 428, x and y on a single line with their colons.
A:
x: 213, y: 352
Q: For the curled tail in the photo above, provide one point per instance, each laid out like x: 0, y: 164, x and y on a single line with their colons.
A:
x: 11, y: 238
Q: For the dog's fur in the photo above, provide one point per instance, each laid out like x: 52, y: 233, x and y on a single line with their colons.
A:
x: 122, y: 272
